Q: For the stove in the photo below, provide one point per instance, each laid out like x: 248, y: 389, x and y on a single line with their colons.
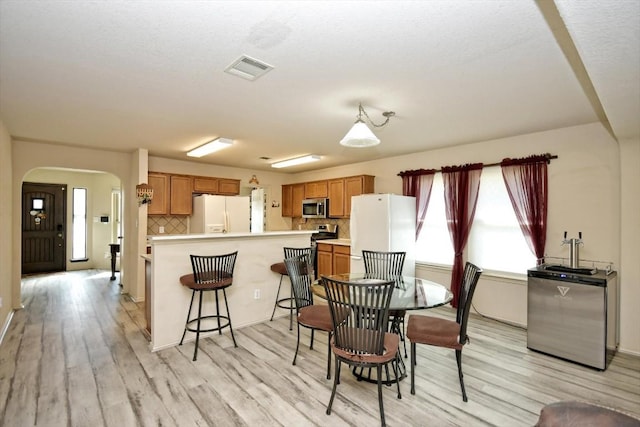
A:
x: 322, y: 232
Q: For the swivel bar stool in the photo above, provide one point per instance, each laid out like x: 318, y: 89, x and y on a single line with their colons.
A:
x: 210, y: 273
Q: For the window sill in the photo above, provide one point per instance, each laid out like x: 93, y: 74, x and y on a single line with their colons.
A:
x: 503, y: 276
x: 79, y: 260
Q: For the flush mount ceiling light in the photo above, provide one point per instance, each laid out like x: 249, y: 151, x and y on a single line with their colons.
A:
x: 297, y: 161
x: 360, y: 135
x: 210, y: 147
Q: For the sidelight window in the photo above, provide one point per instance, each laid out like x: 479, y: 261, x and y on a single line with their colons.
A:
x: 79, y: 242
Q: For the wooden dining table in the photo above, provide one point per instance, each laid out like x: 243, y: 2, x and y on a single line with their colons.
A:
x: 409, y: 293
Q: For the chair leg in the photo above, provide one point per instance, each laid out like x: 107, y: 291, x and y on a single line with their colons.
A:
x: 379, y: 372
x: 311, y: 343
x: 188, y: 314
x: 403, y: 338
x: 224, y: 293
x: 329, y: 357
x: 195, y: 352
x: 297, y: 345
x: 396, y: 370
x: 413, y: 364
x: 336, y: 378
x: 275, y: 305
x: 291, y: 308
x: 459, y: 360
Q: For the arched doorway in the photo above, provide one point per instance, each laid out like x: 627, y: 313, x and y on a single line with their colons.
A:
x: 90, y: 222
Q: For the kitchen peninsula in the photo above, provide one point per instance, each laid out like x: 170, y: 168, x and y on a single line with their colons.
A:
x: 251, y: 296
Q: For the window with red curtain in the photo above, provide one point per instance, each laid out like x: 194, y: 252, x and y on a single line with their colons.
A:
x: 418, y: 183
x: 526, y: 181
x: 461, y: 186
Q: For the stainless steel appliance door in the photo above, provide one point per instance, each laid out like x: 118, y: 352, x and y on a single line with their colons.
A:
x: 567, y: 320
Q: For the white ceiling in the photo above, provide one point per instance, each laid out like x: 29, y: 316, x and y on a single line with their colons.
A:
x: 149, y: 74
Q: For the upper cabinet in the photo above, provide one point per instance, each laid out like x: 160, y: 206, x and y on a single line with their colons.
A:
x: 339, y: 192
x: 292, y: 197
x: 205, y: 185
x: 297, y: 196
x: 316, y: 190
x: 173, y: 194
x: 355, y: 186
x: 342, y: 189
x: 181, y: 194
x: 160, y: 203
x: 228, y: 187
x: 222, y: 186
x: 287, y: 200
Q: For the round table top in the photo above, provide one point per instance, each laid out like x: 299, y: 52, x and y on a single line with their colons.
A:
x: 410, y: 293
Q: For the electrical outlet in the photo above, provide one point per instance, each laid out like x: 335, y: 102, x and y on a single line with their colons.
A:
x: 161, y: 230
x: 256, y: 294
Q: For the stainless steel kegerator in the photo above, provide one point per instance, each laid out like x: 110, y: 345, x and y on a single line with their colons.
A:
x: 573, y: 314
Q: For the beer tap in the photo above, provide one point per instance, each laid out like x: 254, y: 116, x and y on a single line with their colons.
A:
x: 574, y: 244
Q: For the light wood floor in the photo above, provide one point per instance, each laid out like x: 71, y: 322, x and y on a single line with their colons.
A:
x: 76, y: 356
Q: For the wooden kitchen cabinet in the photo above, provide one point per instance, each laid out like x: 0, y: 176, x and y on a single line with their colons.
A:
x: 316, y: 190
x: 336, y: 198
x: 341, y: 259
x: 222, y: 186
x: 342, y: 189
x: 297, y: 196
x: 181, y: 195
x: 287, y: 200
x: 333, y: 259
x: 228, y: 187
x: 325, y: 259
x: 292, y: 197
x: 160, y: 203
x: 205, y: 185
x: 354, y: 186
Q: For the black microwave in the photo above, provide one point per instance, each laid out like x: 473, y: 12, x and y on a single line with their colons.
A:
x: 315, y: 208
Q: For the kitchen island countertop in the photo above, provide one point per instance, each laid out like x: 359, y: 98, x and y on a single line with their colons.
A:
x: 339, y: 242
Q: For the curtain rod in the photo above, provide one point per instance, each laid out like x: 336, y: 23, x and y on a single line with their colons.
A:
x: 547, y: 156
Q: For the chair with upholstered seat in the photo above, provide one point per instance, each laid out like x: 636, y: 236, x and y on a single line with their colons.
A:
x: 443, y: 332
x: 388, y: 265
x: 210, y: 273
x: 287, y: 303
x: 308, y: 315
x: 360, y: 312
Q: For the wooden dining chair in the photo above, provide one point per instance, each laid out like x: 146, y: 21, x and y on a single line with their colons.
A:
x: 443, y: 332
x: 388, y: 265
x: 315, y: 317
x: 360, y: 312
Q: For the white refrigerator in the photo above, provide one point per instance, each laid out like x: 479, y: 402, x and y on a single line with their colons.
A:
x: 383, y: 222
x: 220, y: 214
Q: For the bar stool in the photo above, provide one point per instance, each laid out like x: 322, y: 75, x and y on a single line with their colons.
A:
x: 210, y: 273
x: 281, y: 269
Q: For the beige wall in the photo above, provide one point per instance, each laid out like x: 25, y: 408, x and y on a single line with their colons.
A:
x: 593, y: 188
x: 6, y: 273
x: 629, y: 242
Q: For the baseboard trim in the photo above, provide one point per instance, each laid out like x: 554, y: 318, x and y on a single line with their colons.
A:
x: 5, y: 326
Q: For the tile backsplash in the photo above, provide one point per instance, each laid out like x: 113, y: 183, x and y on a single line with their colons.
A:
x: 180, y: 225
x: 312, y: 224
x: 171, y: 224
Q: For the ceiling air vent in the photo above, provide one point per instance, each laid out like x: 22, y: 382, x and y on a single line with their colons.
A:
x: 248, y: 68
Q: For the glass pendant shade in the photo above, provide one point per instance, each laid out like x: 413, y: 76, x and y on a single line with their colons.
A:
x: 360, y: 136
